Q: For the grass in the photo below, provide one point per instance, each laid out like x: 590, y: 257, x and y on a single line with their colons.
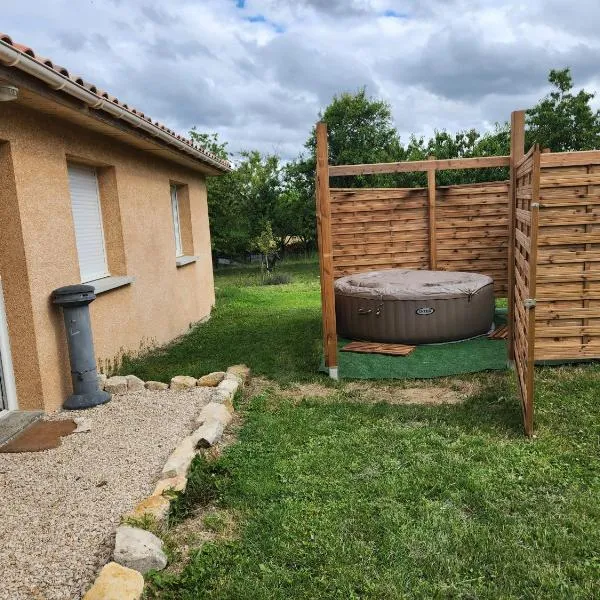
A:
x: 275, y: 329
x: 337, y: 497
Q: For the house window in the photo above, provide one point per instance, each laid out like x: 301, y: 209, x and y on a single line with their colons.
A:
x: 87, y: 217
x: 176, y: 220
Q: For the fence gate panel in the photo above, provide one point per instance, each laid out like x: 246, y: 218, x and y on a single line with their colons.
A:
x: 526, y: 198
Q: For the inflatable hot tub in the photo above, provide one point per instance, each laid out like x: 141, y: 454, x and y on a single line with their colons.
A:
x: 414, y: 307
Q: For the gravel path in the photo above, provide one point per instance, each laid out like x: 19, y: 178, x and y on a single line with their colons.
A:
x: 59, y: 508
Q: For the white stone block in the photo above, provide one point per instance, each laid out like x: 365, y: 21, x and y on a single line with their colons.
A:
x: 139, y: 549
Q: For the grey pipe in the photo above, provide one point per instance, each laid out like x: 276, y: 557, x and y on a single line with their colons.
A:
x: 75, y: 301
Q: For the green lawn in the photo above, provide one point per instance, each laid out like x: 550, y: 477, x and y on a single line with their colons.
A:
x: 338, y: 498
x: 274, y: 329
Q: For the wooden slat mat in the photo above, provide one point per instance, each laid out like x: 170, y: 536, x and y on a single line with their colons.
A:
x: 500, y: 333
x: 377, y: 348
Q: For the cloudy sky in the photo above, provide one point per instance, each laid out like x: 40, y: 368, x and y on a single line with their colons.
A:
x: 259, y: 71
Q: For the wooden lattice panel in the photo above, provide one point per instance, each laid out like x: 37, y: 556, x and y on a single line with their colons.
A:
x: 379, y: 229
x: 389, y: 228
x: 568, y: 279
x: 472, y: 230
x: 526, y: 198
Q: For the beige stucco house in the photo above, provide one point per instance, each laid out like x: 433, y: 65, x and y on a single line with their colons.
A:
x: 93, y: 191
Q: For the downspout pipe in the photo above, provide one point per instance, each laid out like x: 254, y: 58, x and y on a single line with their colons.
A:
x: 14, y: 58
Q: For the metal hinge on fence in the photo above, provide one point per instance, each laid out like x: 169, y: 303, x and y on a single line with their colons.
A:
x: 529, y: 303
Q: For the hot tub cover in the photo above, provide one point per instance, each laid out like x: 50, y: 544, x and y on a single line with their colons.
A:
x: 414, y: 307
x: 411, y: 284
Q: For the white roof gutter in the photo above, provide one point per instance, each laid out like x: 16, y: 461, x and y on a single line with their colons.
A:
x: 14, y: 58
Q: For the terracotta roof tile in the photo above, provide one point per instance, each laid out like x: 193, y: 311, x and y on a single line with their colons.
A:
x: 102, y: 94
x: 24, y: 49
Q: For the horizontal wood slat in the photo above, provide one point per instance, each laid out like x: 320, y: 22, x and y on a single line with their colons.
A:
x: 562, y: 159
x: 522, y: 239
x: 376, y: 228
x: 523, y: 215
x: 420, y: 166
x: 568, y: 295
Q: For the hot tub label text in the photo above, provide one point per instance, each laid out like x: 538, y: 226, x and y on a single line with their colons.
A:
x: 425, y: 311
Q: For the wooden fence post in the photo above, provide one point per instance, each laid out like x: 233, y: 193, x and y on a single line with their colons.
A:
x: 326, y: 252
x: 517, y: 151
x: 432, y: 223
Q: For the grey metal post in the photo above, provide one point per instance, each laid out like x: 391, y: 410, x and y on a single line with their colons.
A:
x: 75, y: 300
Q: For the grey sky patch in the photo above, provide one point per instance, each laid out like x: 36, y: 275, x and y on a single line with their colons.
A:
x: 72, y: 40
x: 299, y: 66
x: 337, y: 8
x: 341, y: 7
x: 159, y: 16
x: 165, y: 49
x: 444, y: 64
x: 185, y: 99
x: 463, y: 66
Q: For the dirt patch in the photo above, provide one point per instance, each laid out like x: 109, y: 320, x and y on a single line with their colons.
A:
x: 467, y: 387
x: 257, y: 385
x: 453, y: 392
x: 398, y: 395
x: 309, y: 390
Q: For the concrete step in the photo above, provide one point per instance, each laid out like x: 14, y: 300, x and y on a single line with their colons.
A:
x: 15, y: 421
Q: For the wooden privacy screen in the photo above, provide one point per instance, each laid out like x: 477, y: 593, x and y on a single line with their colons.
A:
x: 394, y: 228
x: 538, y: 236
x: 556, y: 309
x: 568, y: 272
x: 456, y: 227
x: 526, y: 214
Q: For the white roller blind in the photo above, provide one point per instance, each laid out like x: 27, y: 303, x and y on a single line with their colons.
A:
x: 87, y: 215
x: 176, y: 221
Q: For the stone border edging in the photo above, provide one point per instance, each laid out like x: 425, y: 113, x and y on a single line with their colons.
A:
x: 137, y: 550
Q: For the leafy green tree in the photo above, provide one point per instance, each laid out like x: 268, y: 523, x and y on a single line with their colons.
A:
x: 260, y: 187
x: 295, y: 212
x: 211, y: 142
x: 564, y: 121
x: 360, y: 130
x: 242, y: 201
x: 228, y: 232
x: 265, y: 243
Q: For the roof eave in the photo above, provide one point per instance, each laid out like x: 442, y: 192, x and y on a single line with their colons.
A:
x: 60, y: 84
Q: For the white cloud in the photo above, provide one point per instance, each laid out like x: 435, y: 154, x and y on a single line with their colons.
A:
x: 259, y: 71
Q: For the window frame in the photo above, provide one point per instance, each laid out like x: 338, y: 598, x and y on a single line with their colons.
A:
x: 106, y: 272
x: 176, y: 216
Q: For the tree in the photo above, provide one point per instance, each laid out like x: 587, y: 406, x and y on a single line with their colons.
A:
x: 260, y: 188
x: 266, y: 245
x: 228, y: 232
x: 211, y: 142
x: 295, y: 212
x: 564, y: 121
x: 241, y: 202
x: 360, y: 130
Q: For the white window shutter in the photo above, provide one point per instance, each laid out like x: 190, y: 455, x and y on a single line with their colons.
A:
x: 87, y: 216
x: 176, y: 221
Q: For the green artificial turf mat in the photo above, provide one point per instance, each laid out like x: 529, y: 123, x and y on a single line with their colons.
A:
x: 433, y: 360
